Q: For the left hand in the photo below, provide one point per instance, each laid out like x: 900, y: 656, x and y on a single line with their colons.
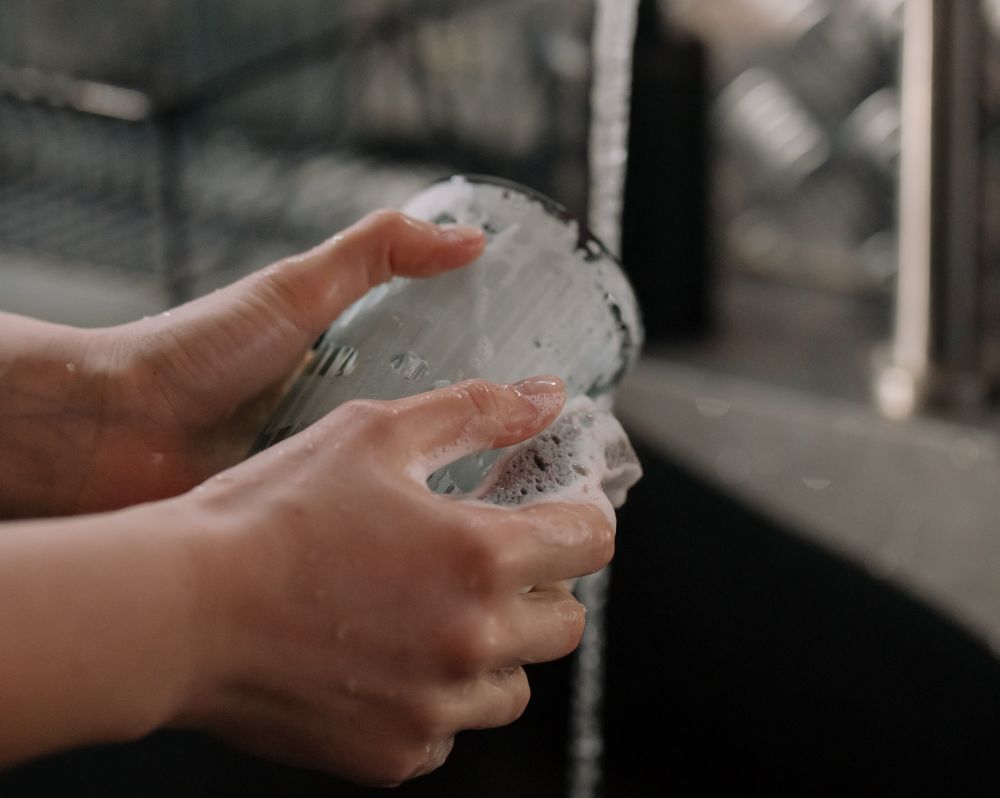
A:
x: 152, y: 408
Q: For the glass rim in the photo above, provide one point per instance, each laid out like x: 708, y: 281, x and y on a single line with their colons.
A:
x: 554, y: 208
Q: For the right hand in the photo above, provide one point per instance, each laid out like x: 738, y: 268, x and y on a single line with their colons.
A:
x: 360, y: 620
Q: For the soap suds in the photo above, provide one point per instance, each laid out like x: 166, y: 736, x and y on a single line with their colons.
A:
x: 583, y: 455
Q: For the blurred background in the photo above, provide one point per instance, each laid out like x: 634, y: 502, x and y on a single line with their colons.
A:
x: 806, y: 595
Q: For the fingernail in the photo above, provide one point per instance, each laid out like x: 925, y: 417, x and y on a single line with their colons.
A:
x: 459, y: 233
x: 539, y: 386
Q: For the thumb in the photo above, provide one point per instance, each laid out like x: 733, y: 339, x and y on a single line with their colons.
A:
x: 260, y: 327
x: 312, y: 289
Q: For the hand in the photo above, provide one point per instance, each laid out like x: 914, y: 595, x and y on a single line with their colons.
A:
x: 361, y: 620
x: 100, y: 419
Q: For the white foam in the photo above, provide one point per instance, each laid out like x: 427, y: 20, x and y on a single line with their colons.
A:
x: 584, y: 455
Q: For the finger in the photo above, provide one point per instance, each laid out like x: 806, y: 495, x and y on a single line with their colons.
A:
x: 549, y: 542
x: 547, y: 624
x: 492, y: 700
x: 439, y: 427
x: 314, y: 288
x: 260, y: 326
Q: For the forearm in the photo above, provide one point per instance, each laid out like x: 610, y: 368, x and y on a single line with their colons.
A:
x: 50, y: 406
x: 99, y: 623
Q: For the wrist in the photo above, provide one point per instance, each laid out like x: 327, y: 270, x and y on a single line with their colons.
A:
x: 53, y: 380
x: 104, y: 624
x: 215, y: 571
x: 195, y: 640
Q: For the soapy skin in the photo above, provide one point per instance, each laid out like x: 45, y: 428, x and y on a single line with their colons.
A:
x: 315, y: 604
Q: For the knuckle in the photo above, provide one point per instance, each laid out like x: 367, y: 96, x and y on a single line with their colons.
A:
x: 600, y: 537
x: 430, y: 718
x: 472, y: 647
x: 365, y: 415
x: 480, y: 564
x: 418, y: 757
x: 401, y: 764
x: 384, y: 221
x: 575, y: 621
x: 605, y: 544
x: 519, y: 691
x: 481, y: 397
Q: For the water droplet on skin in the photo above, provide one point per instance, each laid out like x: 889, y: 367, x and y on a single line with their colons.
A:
x: 409, y: 365
x: 71, y: 367
x: 166, y: 314
x: 816, y: 483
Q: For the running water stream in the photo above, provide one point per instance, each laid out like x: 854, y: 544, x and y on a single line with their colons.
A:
x: 612, y: 47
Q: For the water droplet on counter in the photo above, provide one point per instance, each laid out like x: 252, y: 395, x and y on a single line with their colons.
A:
x: 733, y: 466
x: 409, y: 365
x: 440, y: 384
x: 711, y: 408
x: 816, y: 483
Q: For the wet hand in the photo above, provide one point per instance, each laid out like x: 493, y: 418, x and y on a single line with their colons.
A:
x: 361, y: 620
x: 178, y: 397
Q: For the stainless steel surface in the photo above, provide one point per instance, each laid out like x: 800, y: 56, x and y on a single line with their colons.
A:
x: 914, y: 502
x: 936, y: 348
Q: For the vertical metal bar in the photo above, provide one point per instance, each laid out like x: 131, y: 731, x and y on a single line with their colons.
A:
x: 935, y: 352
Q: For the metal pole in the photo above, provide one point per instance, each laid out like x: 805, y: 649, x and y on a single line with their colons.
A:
x: 934, y: 356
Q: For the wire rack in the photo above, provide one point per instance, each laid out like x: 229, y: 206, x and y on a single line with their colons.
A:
x: 205, y: 140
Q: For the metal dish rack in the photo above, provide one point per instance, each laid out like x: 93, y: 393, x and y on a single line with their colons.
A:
x: 267, y: 130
